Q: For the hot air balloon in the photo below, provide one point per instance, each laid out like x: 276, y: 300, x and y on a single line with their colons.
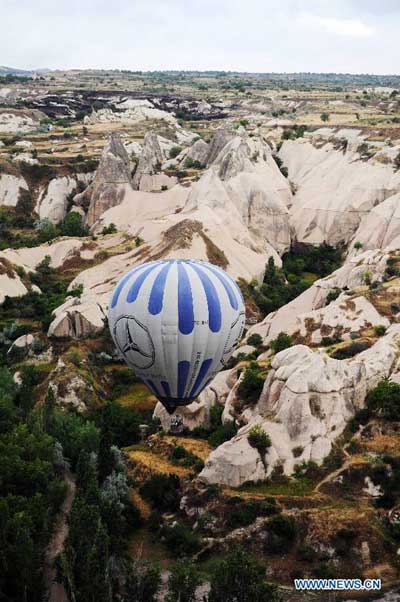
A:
x: 176, y: 323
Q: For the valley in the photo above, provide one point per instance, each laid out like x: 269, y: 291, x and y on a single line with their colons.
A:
x: 291, y: 455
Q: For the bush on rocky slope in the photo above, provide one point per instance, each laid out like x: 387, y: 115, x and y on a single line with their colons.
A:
x: 384, y: 400
x: 300, y: 267
x: 251, y: 385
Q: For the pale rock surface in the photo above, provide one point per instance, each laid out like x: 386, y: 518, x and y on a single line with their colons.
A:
x: 381, y: 227
x: 77, y: 319
x: 53, y: 200
x: 339, y: 318
x: 240, y: 219
x: 25, y: 158
x: 133, y: 148
x: 350, y: 275
x: 371, y: 489
x: 246, y: 349
x: 147, y: 175
x: 132, y: 114
x: 23, y: 342
x: 69, y: 389
x: 199, y: 151
x: 306, y: 402
x: 10, y: 189
x: 11, y: 287
x: 30, y: 257
x: 27, y: 144
x: 13, y: 122
x: 112, y: 181
x: 334, y: 190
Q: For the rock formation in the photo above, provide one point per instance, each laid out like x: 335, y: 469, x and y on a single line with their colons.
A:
x: 10, y: 189
x: 53, y: 200
x: 111, y: 184
x: 335, y: 189
x: 305, y: 404
x: 381, y: 227
x: 148, y: 176
x: 349, y: 276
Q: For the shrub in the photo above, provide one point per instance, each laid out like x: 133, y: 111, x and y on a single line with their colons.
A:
x: 72, y: 225
x: 77, y: 290
x: 384, y: 400
x: 110, y: 229
x: 237, y: 577
x: 327, y: 341
x: 358, y: 245
x: 182, y: 582
x: 380, y: 330
x: 259, y: 439
x: 241, y: 515
x: 223, y: 433
x: 325, y: 117
x: 162, y: 491
x: 181, y: 540
x: 251, y: 385
x: 192, y: 163
x: 282, y: 341
x: 351, y: 350
x: 281, y: 531
x: 143, y: 581
x: 46, y: 230
x: 255, y: 340
x: 174, y: 151
x: 333, y: 295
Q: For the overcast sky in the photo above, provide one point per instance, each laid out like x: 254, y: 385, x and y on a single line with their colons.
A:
x: 352, y: 36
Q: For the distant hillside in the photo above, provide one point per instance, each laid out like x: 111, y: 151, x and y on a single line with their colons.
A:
x: 24, y: 72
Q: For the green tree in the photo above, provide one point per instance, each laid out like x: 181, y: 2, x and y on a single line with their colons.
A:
x: 251, y: 385
x: 325, y: 117
x: 72, y: 225
x: 259, y: 439
x: 182, y: 583
x: 142, y: 583
x: 46, y: 230
x: 238, y: 578
x: 384, y: 400
x: 255, y: 340
x: 282, y: 341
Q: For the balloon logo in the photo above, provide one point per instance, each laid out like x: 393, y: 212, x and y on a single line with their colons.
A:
x: 176, y: 323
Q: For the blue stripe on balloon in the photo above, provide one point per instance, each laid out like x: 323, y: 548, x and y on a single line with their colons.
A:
x: 152, y: 387
x: 225, y: 283
x: 214, y: 306
x: 136, y: 286
x: 166, y: 388
x: 122, y: 283
x: 185, y: 301
x: 200, y: 377
x: 157, y: 292
x: 183, y: 371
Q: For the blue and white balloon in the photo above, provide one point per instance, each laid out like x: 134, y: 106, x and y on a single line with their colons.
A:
x: 176, y: 323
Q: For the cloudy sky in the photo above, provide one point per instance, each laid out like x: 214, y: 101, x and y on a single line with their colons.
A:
x: 352, y: 36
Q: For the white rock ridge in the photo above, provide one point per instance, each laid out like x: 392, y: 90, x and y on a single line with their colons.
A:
x: 305, y: 404
x: 10, y: 189
x: 335, y: 190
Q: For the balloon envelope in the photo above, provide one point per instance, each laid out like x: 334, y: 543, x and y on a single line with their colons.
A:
x: 176, y: 323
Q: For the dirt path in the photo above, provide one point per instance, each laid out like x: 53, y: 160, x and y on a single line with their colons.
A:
x: 56, y: 590
x: 350, y: 461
